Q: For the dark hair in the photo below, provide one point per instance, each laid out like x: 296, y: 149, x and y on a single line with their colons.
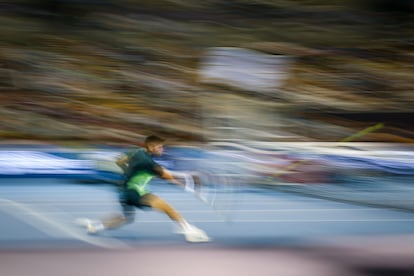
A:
x: 153, y: 139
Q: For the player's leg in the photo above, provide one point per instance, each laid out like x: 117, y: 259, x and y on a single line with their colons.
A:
x: 155, y: 202
x: 114, y: 221
x: 109, y: 222
x: 192, y: 233
x: 129, y: 200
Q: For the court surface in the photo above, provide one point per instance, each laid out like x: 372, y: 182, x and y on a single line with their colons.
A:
x: 252, y: 229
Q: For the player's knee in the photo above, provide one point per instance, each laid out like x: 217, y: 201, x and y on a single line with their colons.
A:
x: 128, y: 215
x: 154, y: 202
x: 130, y: 218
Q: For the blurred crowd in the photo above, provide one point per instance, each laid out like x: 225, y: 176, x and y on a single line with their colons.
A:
x: 115, y: 71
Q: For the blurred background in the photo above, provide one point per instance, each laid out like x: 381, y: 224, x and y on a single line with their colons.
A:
x: 289, y: 101
x: 107, y: 70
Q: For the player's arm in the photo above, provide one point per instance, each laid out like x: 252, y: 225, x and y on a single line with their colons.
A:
x: 122, y: 162
x: 167, y: 175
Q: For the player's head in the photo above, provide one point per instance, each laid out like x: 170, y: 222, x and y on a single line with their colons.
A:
x: 154, y: 145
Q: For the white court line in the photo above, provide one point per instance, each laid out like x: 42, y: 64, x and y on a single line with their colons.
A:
x: 90, y: 201
x: 232, y: 211
x: 42, y: 222
x: 281, y: 220
x: 292, y: 210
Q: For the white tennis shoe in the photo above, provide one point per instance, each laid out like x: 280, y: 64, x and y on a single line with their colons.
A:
x: 194, y: 234
x: 92, y: 226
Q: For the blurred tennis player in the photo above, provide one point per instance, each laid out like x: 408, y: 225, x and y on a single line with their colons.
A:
x: 139, y: 168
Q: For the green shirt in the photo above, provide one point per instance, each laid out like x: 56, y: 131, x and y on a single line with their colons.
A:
x: 141, y: 169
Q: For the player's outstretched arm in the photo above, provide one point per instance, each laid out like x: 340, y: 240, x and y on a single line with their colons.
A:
x: 167, y: 175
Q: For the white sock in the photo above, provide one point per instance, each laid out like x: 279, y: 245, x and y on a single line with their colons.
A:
x: 185, y: 226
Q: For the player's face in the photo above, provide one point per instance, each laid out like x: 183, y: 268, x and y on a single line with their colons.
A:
x: 157, y: 149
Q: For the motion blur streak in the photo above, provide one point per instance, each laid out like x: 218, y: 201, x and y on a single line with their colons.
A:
x: 290, y: 123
